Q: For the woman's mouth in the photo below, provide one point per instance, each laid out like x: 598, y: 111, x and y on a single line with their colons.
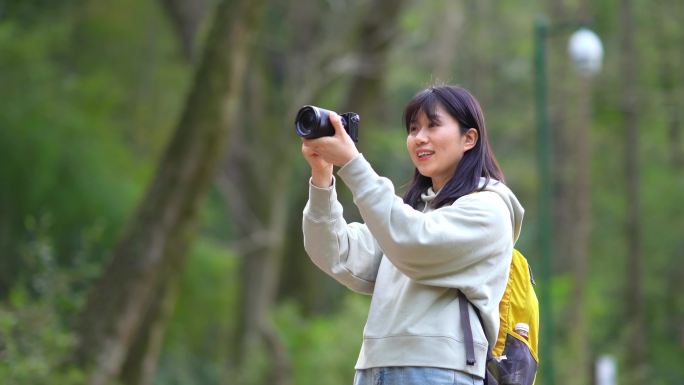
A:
x: 424, y: 154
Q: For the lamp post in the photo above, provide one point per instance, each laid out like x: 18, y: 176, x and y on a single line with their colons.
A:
x: 586, y: 52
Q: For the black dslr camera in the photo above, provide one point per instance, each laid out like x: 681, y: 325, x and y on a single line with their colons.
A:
x: 312, y: 122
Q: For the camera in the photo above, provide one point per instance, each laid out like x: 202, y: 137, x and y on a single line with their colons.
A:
x: 312, y: 122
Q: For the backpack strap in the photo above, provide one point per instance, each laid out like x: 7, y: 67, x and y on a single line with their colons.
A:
x: 467, y: 330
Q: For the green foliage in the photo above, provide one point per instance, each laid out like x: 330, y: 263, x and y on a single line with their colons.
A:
x: 35, y: 338
x: 200, y: 338
x: 77, y: 147
x: 33, y: 345
x: 201, y: 341
x: 53, y: 169
x: 323, y: 347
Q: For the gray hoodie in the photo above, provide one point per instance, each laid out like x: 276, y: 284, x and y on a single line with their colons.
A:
x: 413, y: 262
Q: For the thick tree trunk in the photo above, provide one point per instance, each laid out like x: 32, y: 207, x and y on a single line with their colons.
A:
x: 635, y: 338
x: 156, y: 239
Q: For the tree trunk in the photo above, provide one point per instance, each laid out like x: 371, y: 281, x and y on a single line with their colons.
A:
x: 186, y: 17
x: 254, y: 184
x: 470, y: 64
x: 373, y: 38
x: 563, y: 99
x: 257, y: 190
x: 7, y: 267
x: 635, y: 339
x: 577, y: 236
x: 674, y: 117
x: 299, y: 278
x: 141, y: 361
x: 578, y: 318
x: 158, y: 235
x: 449, y: 40
x: 668, y: 37
x: 571, y: 126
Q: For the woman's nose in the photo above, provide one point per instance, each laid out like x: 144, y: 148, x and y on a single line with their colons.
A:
x: 421, y: 136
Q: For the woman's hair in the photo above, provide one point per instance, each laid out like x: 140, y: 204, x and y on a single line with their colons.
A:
x: 477, y: 162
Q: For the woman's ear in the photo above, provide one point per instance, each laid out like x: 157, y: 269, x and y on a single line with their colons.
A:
x: 470, y: 138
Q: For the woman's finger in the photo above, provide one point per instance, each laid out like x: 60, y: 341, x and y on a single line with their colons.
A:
x: 336, y: 121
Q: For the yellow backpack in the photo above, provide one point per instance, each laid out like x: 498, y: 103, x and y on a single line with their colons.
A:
x: 514, y: 358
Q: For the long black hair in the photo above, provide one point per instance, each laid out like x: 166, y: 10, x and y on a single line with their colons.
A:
x: 477, y: 162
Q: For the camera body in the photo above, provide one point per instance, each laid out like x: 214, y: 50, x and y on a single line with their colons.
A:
x: 313, y: 122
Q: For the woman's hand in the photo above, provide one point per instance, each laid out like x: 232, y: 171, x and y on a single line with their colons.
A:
x: 321, y: 170
x: 334, y: 150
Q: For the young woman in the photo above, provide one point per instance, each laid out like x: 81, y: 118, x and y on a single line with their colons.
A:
x: 454, y: 230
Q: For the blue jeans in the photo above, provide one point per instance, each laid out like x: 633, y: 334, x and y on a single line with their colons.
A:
x: 410, y: 375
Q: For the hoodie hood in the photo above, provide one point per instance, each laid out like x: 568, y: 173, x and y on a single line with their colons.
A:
x: 517, y: 212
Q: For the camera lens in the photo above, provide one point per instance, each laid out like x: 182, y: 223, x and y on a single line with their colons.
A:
x: 308, y: 122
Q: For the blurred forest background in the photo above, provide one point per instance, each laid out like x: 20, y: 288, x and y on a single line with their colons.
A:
x: 151, y: 183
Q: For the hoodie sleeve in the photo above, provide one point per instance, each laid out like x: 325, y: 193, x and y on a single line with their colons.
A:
x: 346, y: 252
x: 446, y: 247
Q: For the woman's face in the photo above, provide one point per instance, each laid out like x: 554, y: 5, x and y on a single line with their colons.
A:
x: 436, y: 147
